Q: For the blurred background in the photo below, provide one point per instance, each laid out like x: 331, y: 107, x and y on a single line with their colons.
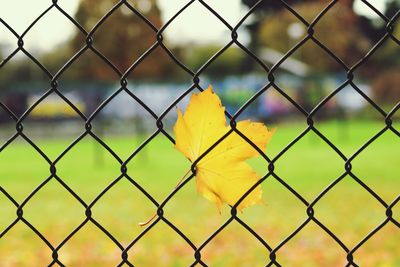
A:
x: 349, y: 29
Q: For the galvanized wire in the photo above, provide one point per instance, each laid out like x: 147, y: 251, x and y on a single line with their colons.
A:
x: 270, y: 251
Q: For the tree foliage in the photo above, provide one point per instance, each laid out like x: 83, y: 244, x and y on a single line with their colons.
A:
x: 333, y: 30
x: 386, y: 86
x: 122, y: 38
x: 348, y: 34
x: 228, y: 63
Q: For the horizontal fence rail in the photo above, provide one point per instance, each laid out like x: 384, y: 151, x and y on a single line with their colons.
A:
x: 90, y: 41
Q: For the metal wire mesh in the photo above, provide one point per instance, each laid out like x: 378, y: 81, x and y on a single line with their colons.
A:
x: 158, y: 120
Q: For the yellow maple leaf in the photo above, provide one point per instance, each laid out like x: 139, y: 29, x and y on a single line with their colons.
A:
x: 222, y: 175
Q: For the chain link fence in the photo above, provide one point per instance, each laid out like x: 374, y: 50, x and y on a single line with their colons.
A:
x: 270, y: 251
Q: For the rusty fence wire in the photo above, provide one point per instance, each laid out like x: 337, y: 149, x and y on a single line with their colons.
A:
x: 270, y: 251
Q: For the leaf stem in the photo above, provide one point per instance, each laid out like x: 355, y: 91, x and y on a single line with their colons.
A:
x: 149, y: 220
x: 182, y: 179
x: 142, y: 224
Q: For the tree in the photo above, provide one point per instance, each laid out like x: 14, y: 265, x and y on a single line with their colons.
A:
x: 386, y: 87
x: 347, y: 33
x: 228, y: 63
x: 263, y: 11
x: 122, y: 38
x: 333, y: 30
x: 374, y: 28
x: 386, y: 79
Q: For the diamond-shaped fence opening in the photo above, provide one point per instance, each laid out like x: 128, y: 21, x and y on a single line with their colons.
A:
x: 96, y: 188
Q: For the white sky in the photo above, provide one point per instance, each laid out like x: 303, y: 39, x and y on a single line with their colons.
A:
x: 196, y: 24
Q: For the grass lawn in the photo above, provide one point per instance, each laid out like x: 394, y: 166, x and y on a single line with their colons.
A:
x: 309, y: 166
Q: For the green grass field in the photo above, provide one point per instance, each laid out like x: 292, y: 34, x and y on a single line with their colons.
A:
x: 309, y: 166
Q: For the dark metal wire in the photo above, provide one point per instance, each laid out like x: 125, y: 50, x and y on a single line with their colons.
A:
x: 158, y: 119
